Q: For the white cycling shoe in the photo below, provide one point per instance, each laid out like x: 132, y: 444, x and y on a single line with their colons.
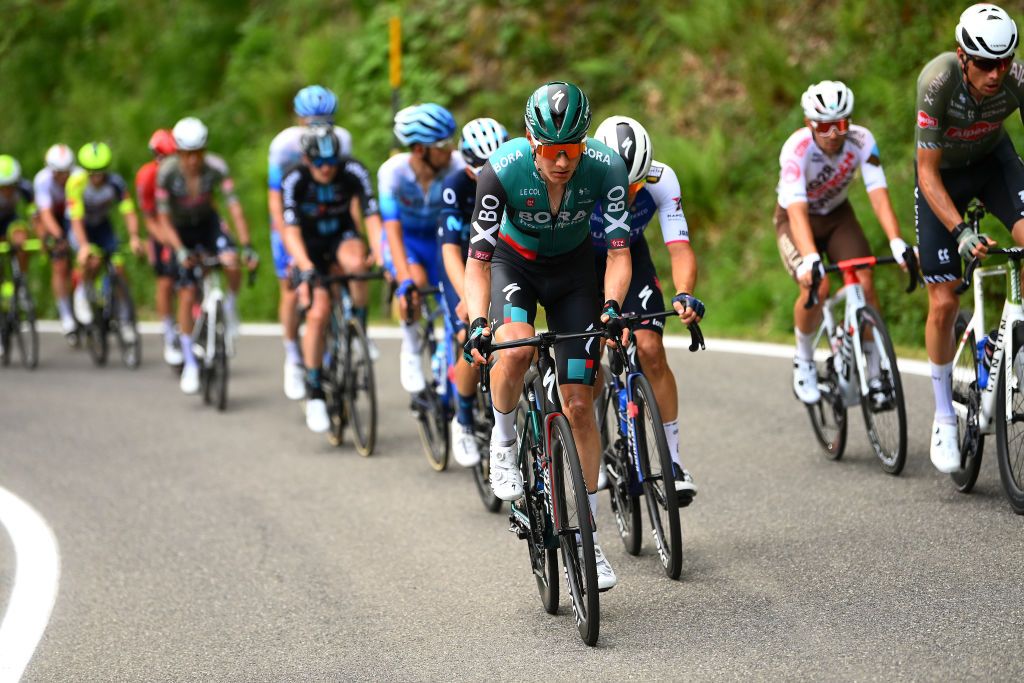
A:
x: 294, y: 381
x: 945, y: 448
x: 606, y: 578
x: 82, y: 307
x: 683, y: 480
x: 805, y: 381
x: 411, y: 372
x: 372, y: 349
x: 190, y: 379
x: 506, y: 479
x: 172, y: 354
x: 464, y: 446
x: 317, y: 418
x: 67, y: 325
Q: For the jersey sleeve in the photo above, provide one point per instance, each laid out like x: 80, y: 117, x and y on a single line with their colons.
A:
x: 364, y: 187
x: 73, y: 192
x: 792, y: 186
x: 933, y: 91
x: 345, y: 138
x: 871, y: 164
x: 145, y: 188
x: 614, y: 209
x: 488, y: 212
x: 124, y: 204
x: 224, y: 180
x: 449, y: 218
x: 670, y: 207
x: 161, y: 190
x: 289, y: 185
x: 41, y: 186
x: 386, y: 192
x: 275, y: 162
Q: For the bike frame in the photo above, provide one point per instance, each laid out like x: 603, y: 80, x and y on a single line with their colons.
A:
x: 627, y: 426
x: 212, y: 296
x: 851, y: 295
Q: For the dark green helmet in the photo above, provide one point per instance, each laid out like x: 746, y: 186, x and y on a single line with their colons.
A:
x: 558, y: 113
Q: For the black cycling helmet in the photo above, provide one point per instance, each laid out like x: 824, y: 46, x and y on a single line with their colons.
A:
x: 320, y: 142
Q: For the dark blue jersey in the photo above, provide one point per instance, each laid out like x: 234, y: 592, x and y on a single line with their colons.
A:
x: 458, y: 195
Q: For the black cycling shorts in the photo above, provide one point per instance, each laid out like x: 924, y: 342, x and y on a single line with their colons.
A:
x: 644, y: 295
x: 165, y: 263
x: 211, y: 243
x: 997, y: 180
x: 567, y: 288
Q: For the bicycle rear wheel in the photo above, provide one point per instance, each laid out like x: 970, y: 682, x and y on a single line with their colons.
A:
x: 541, y: 542
x: 125, y: 324
x: 625, y: 502
x: 828, y: 415
x: 658, y: 481
x: 483, y: 423
x: 1010, y: 430
x: 25, y: 330
x: 575, y: 530
x: 96, y: 338
x: 885, y: 413
x: 219, y: 367
x: 360, y: 388
x: 967, y: 404
x: 431, y: 413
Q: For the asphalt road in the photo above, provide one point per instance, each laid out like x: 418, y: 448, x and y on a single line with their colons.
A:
x: 204, y: 546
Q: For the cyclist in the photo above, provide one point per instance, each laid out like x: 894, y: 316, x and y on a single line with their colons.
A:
x: 161, y: 254
x: 409, y: 187
x: 480, y: 138
x: 323, y: 238
x: 521, y: 254
x: 963, y: 152
x: 653, y: 189
x: 814, y: 216
x: 48, y: 187
x: 92, y: 191
x: 185, y: 183
x: 312, y: 104
x: 17, y: 210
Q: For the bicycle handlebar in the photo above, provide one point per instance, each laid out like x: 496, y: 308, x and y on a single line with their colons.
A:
x: 1013, y: 253
x: 853, y: 264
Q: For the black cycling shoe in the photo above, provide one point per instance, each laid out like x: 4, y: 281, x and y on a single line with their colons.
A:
x: 686, y: 489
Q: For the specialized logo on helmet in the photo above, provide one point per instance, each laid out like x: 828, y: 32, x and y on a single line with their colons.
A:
x: 559, y: 106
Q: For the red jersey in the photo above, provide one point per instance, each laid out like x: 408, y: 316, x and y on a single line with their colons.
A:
x: 145, y: 187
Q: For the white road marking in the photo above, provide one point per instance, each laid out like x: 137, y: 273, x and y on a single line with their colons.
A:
x: 36, y: 578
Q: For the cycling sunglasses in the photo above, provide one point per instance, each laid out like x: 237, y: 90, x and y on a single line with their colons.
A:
x: 831, y: 128
x: 989, y: 65
x: 320, y: 162
x: 572, y: 150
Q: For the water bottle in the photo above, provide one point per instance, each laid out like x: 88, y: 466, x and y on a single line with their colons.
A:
x: 840, y: 353
x: 623, y: 402
x: 986, y: 349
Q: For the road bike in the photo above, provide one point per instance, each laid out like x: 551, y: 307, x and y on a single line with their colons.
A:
x: 635, y: 453
x: 554, y: 512
x: 349, y: 386
x: 996, y: 405
x: 483, y: 424
x: 17, y: 307
x: 856, y: 364
x: 113, y: 312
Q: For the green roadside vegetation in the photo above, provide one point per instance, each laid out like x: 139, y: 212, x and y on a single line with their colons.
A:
x: 717, y: 85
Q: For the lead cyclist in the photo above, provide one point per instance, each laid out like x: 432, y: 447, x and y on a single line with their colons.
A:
x: 653, y: 189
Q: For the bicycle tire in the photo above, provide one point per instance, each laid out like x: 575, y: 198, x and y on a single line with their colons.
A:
x: 360, y: 383
x: 625, y: 502
x: 431, y: 419
x: 220, y: 360
x: 658, y: 484
x: 334, y: 386
x: 1010, y: 433
x: 25, y: 320
x: 5, y: 340
x: 575, y: 530
x: 541, y: 542
x: 126, y: 326
x: 878, y: 417
x: 828, y: 416
x: 965, y: 392
x: 96, y: 339
x: 483, y: 424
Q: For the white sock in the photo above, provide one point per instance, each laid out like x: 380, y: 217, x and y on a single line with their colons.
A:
x: 229, y: 303
x: 186, y: 349
x: 672, y: 436
x: 593, y: 513
x: 291, y: 352
x: 942, y: 386
x: 168, y: 330
x: 804, y: 345
x: 504, y: 432
x: 410, y: 338
x: 64, y: 308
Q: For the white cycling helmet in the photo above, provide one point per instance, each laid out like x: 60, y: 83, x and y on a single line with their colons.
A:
x: 627, y: 137
x: 60, y: 158
x: 480, y: 139
x: 190, y: 134
x: 986, y: 31
x: 827, y: 101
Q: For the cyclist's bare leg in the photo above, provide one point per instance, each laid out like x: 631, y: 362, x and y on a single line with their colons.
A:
x: 651, y: 349
x: 164, y: 296
x: 186, y: 299
x: 466, y: 375
x: 352, y: 257
x: 287, y: 314
x: 316, y: 322
x: 943, y: 305
x: 508, y: 372
x: 578, y: 404
x: 232, y: 271
x: 807, y: 320
x: 60, y: 277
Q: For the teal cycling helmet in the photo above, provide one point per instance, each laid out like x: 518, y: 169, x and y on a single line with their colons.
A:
x: 558, y: 113
x: 10, y: 170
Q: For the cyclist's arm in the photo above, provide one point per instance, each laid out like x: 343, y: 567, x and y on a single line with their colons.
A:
x: 449, y: 234
x: 291, y: 236
x: 800, y: 228
x: 392, y: 228
x: 127, y: 209
x: 488, y: 212
x: 49, y: 223
x: 364, y: 207
x: 163, y: 215
x: 882, y: 206
x: 44, y: 202
x: 929, y: 181
x: 274, y: 207
x: 455, y: 267
x: 874, y: 182
x: 74, y: 192
x: 615, y: 211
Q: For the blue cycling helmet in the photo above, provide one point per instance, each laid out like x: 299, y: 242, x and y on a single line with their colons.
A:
x: 315, y: 100
x: 425, y: 123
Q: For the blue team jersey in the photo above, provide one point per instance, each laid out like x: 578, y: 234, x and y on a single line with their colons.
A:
x: 458, y: 194
x: 402, y: 198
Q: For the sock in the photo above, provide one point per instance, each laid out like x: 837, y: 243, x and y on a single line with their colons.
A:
x: 186, y: 349
x: 672, y: 436
x: 229, y: 303
x: 804, y: 345
x: 942, y: 386
x: 360, y: 313
x: 64, y: 308
x: 593, y: 513
x: 410, y: 338
x: 313, y: 378
x: 465, y: 411
x: 168, y: 322
x: 504, y: 432
x: 291, y: 352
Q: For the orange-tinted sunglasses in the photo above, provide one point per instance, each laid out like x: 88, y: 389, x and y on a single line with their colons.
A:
x: 831, y: 128
x: 571, y: 150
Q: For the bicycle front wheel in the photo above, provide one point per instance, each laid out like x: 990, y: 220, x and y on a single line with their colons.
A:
x: 431, y: 414
x: 967, y: 404
x: 219, y: 367
x: 625, y: 501
x: 575, y: 530
x: 483, y: 423
x: 360, y: 389
x: 1010, y: 423
x: 124, y: 322
x: 885, y: 413
x: 334, y: 387
x: 541, y: 542
x: 25, y: 330
x: 828, y: 415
